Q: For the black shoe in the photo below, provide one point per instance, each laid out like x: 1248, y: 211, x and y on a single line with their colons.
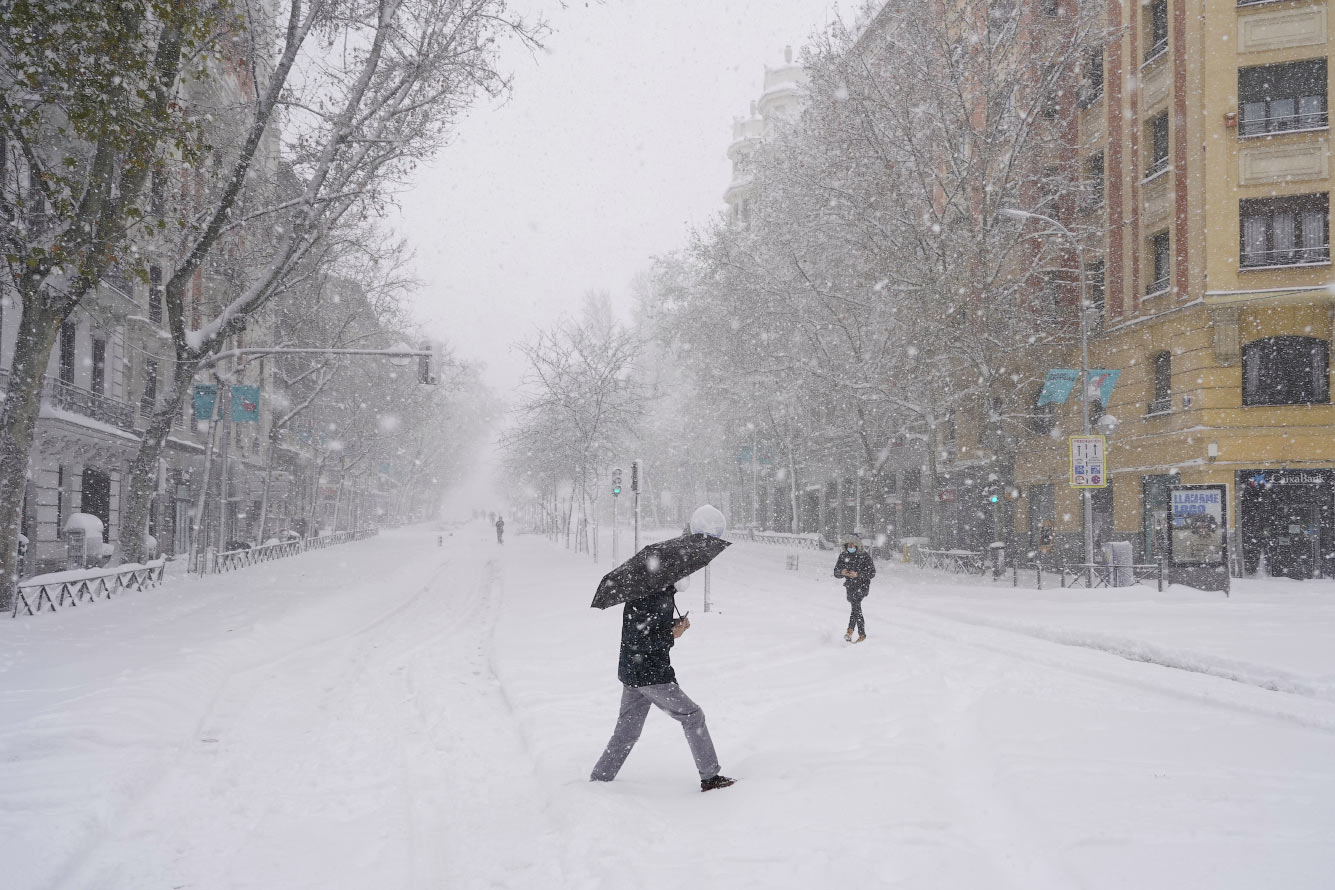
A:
x: 719, y: 781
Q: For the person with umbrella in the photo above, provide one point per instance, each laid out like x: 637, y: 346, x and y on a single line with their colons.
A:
x: 648, y: 583
x: 857, y: 569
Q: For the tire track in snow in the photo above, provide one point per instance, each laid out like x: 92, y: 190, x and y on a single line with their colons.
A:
x: 1203, y: 687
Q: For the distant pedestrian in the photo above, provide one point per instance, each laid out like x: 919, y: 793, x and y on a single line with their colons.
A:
x: 500, y: 529
x: 857, y: 569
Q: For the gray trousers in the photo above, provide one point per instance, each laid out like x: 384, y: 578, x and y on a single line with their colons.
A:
x: 635, y: 701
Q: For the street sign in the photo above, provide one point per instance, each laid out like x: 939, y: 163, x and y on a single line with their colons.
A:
x: 1088, y: 467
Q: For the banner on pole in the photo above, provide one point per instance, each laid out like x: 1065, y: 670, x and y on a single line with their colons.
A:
x: 245, y: 404
x: 1057, y: 387
x: 1101, y: 383
x: 203, y: 398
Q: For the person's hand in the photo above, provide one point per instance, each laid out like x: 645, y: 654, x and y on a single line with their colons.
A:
x: 679, y: 627
x: 850, y: 573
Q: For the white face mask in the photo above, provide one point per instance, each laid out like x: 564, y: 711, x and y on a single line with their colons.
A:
x: 683, y: 584
x: 851, y: 549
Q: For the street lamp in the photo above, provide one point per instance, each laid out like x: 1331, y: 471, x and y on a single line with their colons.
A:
x: 1014, y: 213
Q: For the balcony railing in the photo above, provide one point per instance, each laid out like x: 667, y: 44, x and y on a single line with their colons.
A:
x: 1157, y: 166
x: 96, y: 406
x: 1158, y: 285
x: 1160, y: 406
x: 1157, y: 49
x: 1289, y: 123
x: 1292, y: 256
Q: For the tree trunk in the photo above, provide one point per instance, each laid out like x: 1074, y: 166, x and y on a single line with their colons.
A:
x: 18, y: 426
x: 143, y: 468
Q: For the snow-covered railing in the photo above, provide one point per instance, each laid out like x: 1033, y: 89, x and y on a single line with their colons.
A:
x: 57, y: 589
x: 959, y: 562
x: 240, y: 559
x: 1102, y: 575
x: 806, y: 541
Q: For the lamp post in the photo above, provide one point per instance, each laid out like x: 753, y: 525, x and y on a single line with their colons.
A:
x: 1014, y: 213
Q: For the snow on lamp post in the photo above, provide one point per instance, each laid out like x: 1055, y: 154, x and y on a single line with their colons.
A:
x: 1014, y: 213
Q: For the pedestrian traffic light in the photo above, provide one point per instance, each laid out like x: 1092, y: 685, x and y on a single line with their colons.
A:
x: 635, y: 475
x: 616, y: 481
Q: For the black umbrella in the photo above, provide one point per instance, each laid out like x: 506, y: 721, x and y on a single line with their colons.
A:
x: 655, y: 567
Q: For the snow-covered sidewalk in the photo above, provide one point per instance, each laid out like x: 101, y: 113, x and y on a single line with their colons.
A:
x: 395, y: 714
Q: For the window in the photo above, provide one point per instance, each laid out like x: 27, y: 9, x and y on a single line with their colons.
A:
x: 1156, y: 27
x: 155, y: 294
x: 1097, y: 295
x: 99, y: 382
x: 149, y: 402
x: 1049, y: 300
x: 1156, y: 140
x: 1286, y: 371
x: 1162, y: 399
x: 1290, y: 231
x: 1091, y: 86
x: 1052, y: 102
x: 1094, y: 177
x: 157, y: 192
x: 1051, y: 8
x: 1277, y: 98
x: 911, y: 480
x: 1162, y: 257
x: 67, y: 332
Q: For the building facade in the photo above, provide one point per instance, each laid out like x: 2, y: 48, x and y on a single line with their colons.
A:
x: 1207, y: 132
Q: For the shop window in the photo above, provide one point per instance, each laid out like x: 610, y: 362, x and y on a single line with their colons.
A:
x: 1281, y: 98
x: 1154, y: 515
x: 1161, y: 257
x: 1156, y: 140
x: 1289, y: 231
x: 1162, y: 398
x: 1286, y: 371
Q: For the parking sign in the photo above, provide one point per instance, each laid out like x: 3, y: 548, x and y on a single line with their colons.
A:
x: 1088, y: 469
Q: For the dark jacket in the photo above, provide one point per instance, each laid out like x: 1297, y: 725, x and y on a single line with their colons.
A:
x: 646, y: 641
x: 860, y: 562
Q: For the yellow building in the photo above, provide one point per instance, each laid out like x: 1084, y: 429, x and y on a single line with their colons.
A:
x: 1207, y: 129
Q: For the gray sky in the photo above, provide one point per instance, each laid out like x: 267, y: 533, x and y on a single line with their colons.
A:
x: 611, y: 147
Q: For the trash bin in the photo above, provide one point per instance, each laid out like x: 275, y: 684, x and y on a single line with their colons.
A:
x: 1120, y: 557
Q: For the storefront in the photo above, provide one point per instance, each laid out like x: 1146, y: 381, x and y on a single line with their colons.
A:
x: 1287, y: 522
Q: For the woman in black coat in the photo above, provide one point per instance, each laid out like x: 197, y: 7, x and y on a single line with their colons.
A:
x: 855, y: 566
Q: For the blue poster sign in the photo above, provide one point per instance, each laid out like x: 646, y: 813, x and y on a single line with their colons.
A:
x: 1057, y: 387
x: 203, y: 397
x: 245, y: 404
x: 1101, y: 383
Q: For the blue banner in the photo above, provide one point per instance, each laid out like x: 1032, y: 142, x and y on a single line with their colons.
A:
x: 245, y: 404
x: 1101, y: 383
x: 1057, y: 387
x: 204, y: 396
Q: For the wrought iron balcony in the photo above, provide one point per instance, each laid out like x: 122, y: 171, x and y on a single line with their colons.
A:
x: 96, y: 406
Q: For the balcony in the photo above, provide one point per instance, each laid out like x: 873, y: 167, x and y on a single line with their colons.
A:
x: 1157, y: 286
x: 95, y: 406
x: 1293, y: 256
x: 1289, y: 123
x: 1157, y: 49
x: 1158, y: 167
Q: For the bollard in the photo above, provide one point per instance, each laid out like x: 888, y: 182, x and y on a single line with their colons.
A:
x: 440, y: 540
x: 792, y: 562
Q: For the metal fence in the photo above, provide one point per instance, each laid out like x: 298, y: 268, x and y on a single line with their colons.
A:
x: 230, y: 560
x: 34, y: 596
x: 809, y: 541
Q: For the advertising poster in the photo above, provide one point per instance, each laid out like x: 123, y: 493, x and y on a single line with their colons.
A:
x: 1198, y: 524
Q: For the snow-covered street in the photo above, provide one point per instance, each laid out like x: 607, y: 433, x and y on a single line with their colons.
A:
x: 393, y: 713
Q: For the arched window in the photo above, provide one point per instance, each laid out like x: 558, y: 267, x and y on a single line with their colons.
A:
x: 1286, y: 371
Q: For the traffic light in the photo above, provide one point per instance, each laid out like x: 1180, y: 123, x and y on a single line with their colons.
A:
x: 616, y: 481
x: 635, y: 475
x: 429, y: 364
